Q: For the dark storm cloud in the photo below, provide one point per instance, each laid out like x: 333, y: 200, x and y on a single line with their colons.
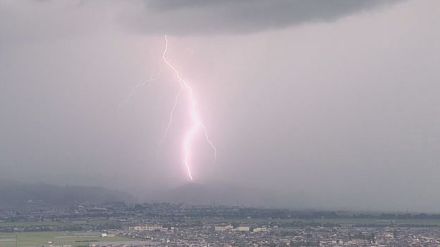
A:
x: 48, y: 19
x: 229, y: 16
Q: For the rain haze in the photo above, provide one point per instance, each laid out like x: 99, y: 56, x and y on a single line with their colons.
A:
x: 319, y: 104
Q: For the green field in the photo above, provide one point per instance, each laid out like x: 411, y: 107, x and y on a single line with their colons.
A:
x: 31, y: 239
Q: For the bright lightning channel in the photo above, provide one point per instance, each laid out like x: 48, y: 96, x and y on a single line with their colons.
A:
x: 197, y: 125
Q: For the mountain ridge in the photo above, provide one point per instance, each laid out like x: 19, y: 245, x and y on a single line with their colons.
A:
x: 15, y: 194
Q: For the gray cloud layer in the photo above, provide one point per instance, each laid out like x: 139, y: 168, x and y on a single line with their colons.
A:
x: 34, y: 20
x: 220, y: 16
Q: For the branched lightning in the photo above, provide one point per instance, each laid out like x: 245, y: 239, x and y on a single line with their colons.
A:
x: 171, y: 115
x: 197, y: 125
x: 196, y: 121
x: 145, y: 84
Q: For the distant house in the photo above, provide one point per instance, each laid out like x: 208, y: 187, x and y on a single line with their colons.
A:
x: 242, y: 229
x: 223, y: 228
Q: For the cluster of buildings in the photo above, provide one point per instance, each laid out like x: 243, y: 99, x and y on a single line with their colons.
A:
x: 227, y: 234
x: 164, y: 224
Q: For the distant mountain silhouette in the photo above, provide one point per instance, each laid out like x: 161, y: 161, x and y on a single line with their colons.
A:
x: 209, y: 194
x: 16, y: 194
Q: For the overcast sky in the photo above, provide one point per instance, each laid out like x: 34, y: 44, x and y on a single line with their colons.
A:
x: 333, y: 101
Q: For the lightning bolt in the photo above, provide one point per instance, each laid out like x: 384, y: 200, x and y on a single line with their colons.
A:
x: 146, y: 84
x: 197, y: 125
